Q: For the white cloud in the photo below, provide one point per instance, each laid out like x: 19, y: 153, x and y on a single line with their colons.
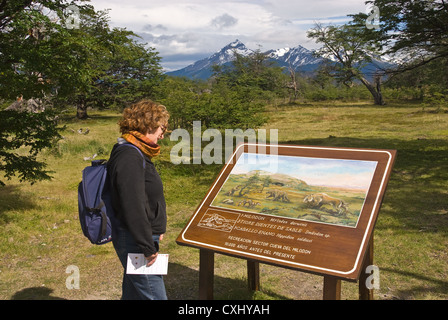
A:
x: 224, y: 21
x: 176, y: 28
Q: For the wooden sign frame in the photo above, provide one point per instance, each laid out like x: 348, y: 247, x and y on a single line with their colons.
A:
x: 299, y: 216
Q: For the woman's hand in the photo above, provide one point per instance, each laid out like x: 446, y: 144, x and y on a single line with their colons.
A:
x: 151, y: 259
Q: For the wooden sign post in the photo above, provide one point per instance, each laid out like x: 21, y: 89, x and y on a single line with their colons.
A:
x: 307, y: 208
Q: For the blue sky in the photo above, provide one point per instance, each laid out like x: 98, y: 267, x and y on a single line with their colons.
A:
x: 186, y: 31
x: 314, y: 171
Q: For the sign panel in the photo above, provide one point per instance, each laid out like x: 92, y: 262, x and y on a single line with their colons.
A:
x: 301, y: 207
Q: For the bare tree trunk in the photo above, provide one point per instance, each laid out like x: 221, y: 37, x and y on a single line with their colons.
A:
x: 375, y: 89
x: 293, y: 84
x: 81, y: 110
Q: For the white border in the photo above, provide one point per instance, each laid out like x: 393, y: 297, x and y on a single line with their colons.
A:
x: 287, y: 261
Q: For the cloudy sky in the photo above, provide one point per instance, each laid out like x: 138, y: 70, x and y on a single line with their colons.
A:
x: 314, y: 171
x: 186, y: 31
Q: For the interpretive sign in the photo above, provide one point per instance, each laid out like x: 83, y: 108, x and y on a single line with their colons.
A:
x: 301, y: 207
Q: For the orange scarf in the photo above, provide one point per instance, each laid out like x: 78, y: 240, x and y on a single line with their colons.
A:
x: 142, y: 142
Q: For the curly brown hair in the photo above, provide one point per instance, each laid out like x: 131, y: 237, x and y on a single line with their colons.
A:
x: 144, y: 116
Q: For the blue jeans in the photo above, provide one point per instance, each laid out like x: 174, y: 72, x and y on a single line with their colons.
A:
x: 136, y: 286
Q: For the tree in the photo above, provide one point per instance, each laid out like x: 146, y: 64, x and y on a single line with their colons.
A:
x: 118, y: 69
x: 37, y: 57
x: 132, y: 71
x: 415, y: 31
x: 266, y: 182
x: 249, y: 185
x: 232, y: 98
x: 42, y: 56
x: 426, y: 79
x: 31, y: 63
x: 415, y: 34
x: 215, y: 104
x: 31, y: 131
x: 351, y: 49
x: 255, y: 74
x: 293, y: 85
x: 180, y: 96
x: 243, y: 85
x: 236, y: 106
x: 323, y: 76
x: 86, y: 44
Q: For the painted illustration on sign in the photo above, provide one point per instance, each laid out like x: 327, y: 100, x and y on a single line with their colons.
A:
x: 324, y: 190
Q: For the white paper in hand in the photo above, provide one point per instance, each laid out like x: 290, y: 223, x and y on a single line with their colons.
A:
x: 137, y: 264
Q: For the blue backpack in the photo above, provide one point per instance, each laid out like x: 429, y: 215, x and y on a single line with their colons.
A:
x: 94, y: 201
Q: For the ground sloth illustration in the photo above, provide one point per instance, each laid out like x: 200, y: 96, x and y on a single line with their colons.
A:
x: 232, y: 191
x: 277, y: 195
x: 249, y: 203
x: 317, y: 200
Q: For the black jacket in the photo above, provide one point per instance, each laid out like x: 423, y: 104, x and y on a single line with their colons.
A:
x: 137, y: 196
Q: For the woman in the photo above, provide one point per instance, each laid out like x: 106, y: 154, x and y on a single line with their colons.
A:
x: 137, y: 195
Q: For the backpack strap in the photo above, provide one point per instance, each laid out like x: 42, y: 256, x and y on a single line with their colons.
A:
x: 122, y: 142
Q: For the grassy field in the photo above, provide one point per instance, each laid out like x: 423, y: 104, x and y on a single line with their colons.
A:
x: 40, y: 236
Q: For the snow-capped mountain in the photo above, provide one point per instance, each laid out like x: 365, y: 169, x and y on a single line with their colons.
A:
x: 297, y: 57
x: 202, y: 69
x: 300, y: 58
x: 227, y: 54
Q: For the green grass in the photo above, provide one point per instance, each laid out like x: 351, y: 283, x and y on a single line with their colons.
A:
x: 40, y: 234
